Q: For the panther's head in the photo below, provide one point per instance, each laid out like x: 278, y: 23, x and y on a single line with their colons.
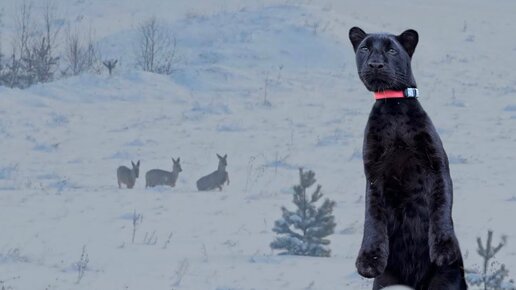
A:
x: 383, y: 60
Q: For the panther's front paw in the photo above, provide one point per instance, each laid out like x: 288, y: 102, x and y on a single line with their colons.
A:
x: 372, y: 263
x: 444, y: 251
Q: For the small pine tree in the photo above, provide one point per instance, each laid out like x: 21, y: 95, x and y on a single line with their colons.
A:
x: 490, y: 279
x: 303, y: 232
x: 39, y: 63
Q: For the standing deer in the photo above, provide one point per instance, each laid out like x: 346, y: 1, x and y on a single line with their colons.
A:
x: 128, y: 176
x: 156, y: 177
x: 215, y: 179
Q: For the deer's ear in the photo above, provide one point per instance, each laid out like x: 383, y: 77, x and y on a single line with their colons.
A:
x: 225, y: 156
x: 178, y: 159
x: 132, y: 163
x: 220, y: 157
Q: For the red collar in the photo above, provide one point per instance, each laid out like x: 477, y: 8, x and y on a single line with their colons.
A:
x: 388, y: 95
x: 408, y: 93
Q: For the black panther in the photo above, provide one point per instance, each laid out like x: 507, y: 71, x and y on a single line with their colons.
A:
x: 409, y: 237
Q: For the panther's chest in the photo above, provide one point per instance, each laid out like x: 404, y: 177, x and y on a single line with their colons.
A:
x: 393, y: 131
x: 396, y: 152
x: 390, y: 147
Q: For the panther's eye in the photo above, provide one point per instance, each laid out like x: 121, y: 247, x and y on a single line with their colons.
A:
x: 392, y: 51
x: 364, y: 49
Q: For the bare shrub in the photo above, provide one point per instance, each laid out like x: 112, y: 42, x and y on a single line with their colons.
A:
x: 15, y: 73
x: 180, y: 272
x: 82, y: 264
x: 33, y: 46
x: 167, y: 242
x: 150, y: 239
x: 155, y: 47
x: 1, y: 54
x: 81, y: 53
x: 137, y: 219
x: 24, y: 29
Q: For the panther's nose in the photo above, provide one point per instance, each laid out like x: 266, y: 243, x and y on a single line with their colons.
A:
x: 375, y: 65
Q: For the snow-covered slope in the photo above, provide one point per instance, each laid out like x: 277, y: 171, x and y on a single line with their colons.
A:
x: 273, y: 85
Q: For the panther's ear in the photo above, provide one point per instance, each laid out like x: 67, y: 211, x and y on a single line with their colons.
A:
x: 408, y: 39
x: 356, y: 35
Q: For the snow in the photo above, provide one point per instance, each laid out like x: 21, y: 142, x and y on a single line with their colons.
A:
x: 273, y: 85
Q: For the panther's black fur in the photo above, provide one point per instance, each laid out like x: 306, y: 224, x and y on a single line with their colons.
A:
x: 408, y: 231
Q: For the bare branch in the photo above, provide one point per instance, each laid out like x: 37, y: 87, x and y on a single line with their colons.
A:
x: 155, y: 48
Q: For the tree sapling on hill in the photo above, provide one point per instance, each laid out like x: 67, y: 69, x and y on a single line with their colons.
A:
x: 489, y: 279
x: 303, y: 232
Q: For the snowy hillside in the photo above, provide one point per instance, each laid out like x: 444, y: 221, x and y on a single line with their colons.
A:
x: 274, y: 86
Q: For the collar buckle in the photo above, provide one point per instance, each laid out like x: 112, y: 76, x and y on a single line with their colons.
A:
x: 411, y: 93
